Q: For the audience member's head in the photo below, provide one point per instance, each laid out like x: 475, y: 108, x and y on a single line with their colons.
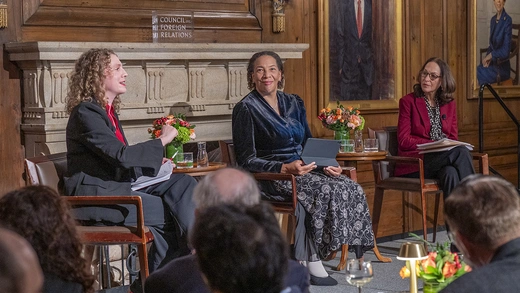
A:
x: 226, y: 186
x: 483, y: 213
x: 240, y: 248
x: 20, y: 271
x: 43, y: 218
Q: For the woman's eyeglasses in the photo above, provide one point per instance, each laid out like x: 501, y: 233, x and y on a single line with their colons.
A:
x: 432, y: 76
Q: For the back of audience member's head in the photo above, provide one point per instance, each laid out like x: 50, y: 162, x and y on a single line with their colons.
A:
x: 484, y: 210
x: 20, y: 271
x: 226, y: 186
x: 43, y: 217
x: 240, y: 249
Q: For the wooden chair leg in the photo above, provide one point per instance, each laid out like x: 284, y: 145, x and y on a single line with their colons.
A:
x: 424, y: 214
x: 436, y: 216
x: 143, y: 262
x: 378, y: 254
x: 376, y: 210
x: 343, y: 260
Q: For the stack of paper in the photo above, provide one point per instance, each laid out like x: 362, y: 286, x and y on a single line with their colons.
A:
x: 164, y: 174
x: 444, y: 144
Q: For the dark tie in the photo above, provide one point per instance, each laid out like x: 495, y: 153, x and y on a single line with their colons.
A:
x: 112, y: 117
x: 359, y: 19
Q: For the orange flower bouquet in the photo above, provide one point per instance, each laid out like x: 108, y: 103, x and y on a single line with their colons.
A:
x: 440, y: 268
x: 186, y: 132
x: 341, y: 118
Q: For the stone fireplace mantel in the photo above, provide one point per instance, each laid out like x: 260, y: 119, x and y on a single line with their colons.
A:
x: 203, y: 81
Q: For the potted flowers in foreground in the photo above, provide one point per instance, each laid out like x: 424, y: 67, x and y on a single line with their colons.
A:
x: 439, y: 269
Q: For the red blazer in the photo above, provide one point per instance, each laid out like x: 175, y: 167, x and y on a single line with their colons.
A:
x: 414, y: 126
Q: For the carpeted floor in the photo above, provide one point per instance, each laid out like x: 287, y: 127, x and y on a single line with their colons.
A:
x: 386, y: 275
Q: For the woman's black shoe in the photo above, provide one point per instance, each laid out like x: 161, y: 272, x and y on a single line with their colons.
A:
x: 326, y: 281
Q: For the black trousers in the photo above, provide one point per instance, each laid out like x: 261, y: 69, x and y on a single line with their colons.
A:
x: 449, y: 167
x: 169, y: 212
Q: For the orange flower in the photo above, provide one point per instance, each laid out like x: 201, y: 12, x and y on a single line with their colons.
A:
x: 338, y: 111
x: 449, y: 269
x: 430, y: 261
x: 350, y: 108
x: 404, y: 272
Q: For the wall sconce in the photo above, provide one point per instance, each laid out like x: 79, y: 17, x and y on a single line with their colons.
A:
x: 3, y: 14
x: 279, y: 15
x: 412, y: 251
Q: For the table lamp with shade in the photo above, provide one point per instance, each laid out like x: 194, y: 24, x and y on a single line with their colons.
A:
x: 412, y: 251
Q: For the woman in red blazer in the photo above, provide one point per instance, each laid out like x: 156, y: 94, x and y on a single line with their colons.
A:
x: 429, y: 114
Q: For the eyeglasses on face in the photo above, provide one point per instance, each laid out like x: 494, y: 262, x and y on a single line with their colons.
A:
x: 432, y: 76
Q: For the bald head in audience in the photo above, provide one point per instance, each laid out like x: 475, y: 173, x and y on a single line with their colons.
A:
x: 226, y: 186
x: 20, y: 270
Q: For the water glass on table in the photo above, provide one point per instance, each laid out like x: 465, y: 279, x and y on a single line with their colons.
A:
x: 347, y: 146
x: 371, y: 145
x: 185, y: 160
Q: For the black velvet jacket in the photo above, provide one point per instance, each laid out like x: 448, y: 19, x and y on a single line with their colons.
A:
x: 263, y: 139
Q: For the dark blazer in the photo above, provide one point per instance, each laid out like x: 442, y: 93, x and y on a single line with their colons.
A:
x: 97, y: 162
x: 501, y: 275
x: 53, y: 284
x: 183, y: 275
x: 353, y: 48
x: 413, y: 127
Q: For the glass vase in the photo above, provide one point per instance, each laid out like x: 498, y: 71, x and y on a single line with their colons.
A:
x: 342, y: 136
x: 171, y: 151
x: 431, y: 287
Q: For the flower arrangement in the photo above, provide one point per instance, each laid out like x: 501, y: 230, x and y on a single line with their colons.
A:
x: 185, y: 129
x: 441, y: 266
x: 341, y: 118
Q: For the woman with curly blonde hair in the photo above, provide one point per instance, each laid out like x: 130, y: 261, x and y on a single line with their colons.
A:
x: 43, y: 218
x: 101, y: 162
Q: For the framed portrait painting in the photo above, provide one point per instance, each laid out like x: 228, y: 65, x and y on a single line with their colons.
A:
x: 493, y: 43
x: 360, y: 53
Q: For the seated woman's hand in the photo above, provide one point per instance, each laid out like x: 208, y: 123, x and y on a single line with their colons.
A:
x: 298, y: 168
x: 168, y: 133
x: 332, y: 171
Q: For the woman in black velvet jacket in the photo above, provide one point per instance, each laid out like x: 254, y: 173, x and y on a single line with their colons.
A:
x: 269, y: 133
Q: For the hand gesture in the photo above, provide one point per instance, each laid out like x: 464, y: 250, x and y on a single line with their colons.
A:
x: 487, y: 60
x: 168, y: 133
x: 332, y: 171
x: 298, y: 168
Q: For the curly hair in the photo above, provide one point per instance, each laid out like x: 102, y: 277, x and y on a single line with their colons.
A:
x: 43, y: 217
x: 86, y: 81
x: 445, y: 92
x: 251, y: 68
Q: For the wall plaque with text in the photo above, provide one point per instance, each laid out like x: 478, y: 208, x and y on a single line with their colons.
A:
x: 172, y: 27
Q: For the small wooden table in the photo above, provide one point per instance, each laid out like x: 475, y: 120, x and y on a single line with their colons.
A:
x: 350, y: 160
x: 202, y: 171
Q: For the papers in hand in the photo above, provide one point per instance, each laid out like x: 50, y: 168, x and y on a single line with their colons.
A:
x: 444, y: 144
x: 164, y: 174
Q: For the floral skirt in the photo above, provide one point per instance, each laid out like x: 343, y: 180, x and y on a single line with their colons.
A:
x: 338, y: 210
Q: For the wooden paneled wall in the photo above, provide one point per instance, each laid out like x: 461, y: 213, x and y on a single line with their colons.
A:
x: 431, y: 28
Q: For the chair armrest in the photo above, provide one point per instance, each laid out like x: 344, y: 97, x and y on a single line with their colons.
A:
x: 483, y: 162
x: 350, y: 172
x: 80, y: 200
x: 280, y: 176
x: 401, y: 160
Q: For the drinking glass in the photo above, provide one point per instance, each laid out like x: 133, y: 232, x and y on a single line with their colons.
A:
x: 371, y: 145
x: 359, y: 273
x: 185, y: 160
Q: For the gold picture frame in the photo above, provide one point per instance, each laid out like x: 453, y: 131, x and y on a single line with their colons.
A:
x: 478, y: 20
x: 394, y: 15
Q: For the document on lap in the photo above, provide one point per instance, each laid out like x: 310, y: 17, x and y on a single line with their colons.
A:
x: 444, y: 144
x: 164, y: 174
